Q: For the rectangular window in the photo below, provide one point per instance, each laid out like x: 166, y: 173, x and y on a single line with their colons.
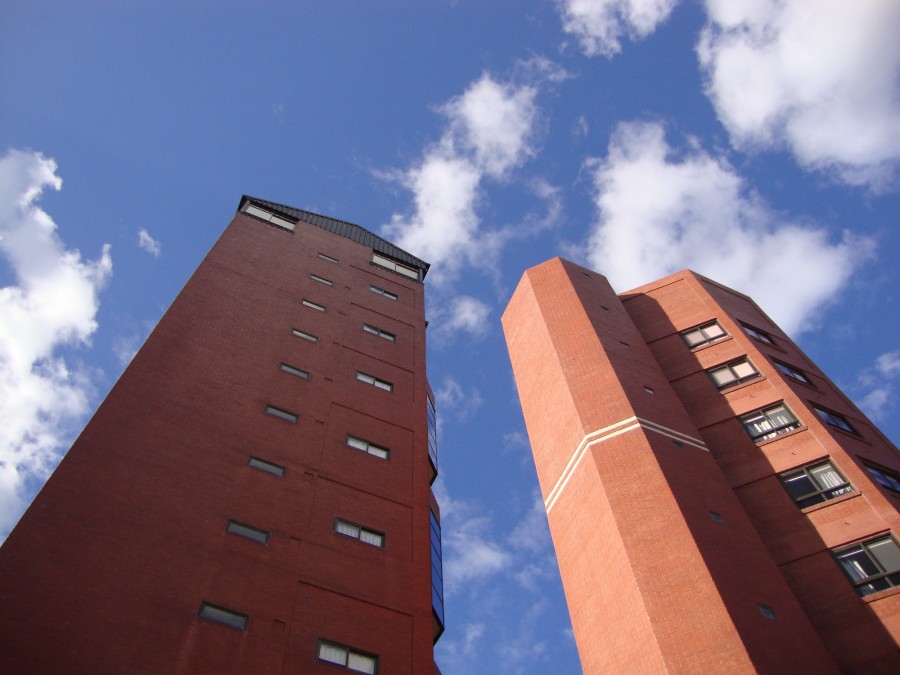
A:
x: 283, y: 414
x: 375, y: 330
x: 284, y: 367
x: 872, y: 565
x: 269, y: 217
x: 758, y: 334
x: 381, y: 291
x: 432, y: 432
x: 345, y: 657
x: 708, y: 332
x: 313, y: 305
x: 223, y: 615
x: 886, y: 477
x: 321, y: 280
x: 793, y: 373
x: 835, y: 420
x: 769, y: 422
x: 395, y: 266
x: 263, y: 465
x: 815, y: 484
x: 355, y: 531
x: 304, y: 335
x: 365, y: 446
x: 437, y: 569
x: 262, y: 536
x: 374, y: 381
x: 328, y: 258
x: 732, y: 373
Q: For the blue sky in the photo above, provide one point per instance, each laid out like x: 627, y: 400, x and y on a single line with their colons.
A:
x: 755, y: 142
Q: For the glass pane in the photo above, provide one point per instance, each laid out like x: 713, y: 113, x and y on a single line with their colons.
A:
x: 858, y: 565
x: 693, y: 337
x: 743, y: 369
x: 722, y: 376
x: 333, y: 654
x: 357, y: 443
x: 361, y: 663
x: 826, y: 477
x: 886, y: 553
x: 222, y: 615
x: 372, y: 538
x: 347, y: 528
x: 387, y: 386
x: 798, y: 486
x: 713, y: 330
x: 378, y: 452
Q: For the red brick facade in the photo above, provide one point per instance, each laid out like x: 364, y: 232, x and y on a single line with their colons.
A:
x: 679, y: 546
x: 107, y: 570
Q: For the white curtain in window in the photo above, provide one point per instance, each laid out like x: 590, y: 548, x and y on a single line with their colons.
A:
x: 333, y: 653
x: 361, y: 663
x: 371, y: 538
x: 347, y: 528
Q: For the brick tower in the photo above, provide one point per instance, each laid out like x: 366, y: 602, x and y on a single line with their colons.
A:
x: 716, y: 503
x: 254, y: 493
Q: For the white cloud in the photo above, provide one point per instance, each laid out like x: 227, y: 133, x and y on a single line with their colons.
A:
x: 658, y: 214
x: 819, y: 78
x: 54, y: 304
x: 876, y: 385
x: 462, y: 314
x: 148, y: 243
x: 490, y: 131
x: 600, y: 24
x: 452, y: 399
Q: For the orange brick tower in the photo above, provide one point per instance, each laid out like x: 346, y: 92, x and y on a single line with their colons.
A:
x: 716, y: 503
x: 254, y: 494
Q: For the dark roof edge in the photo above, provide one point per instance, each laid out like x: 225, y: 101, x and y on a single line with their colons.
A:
x: 343, y: 228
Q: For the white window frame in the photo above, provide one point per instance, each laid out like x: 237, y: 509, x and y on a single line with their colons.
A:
x: 303, y: 334
x: 269, y: 217
x: 312, y: 305
x: 394, y: 266
x: 285, y: 415
x: 380, y: 291
x: 291, y: 370
x: 321, y: 280
x: 328, y: 258
x: 363, y: 445
x: 348, y: 658
x: 375, y: 330
x: 374, y: 381
x: 368, y: 536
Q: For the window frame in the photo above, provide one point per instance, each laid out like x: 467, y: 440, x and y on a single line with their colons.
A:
x: 758, y: 334
x: 792, y: 372
x: 390, y: 295
x: 282, y: 414
x: 821, y: 494
x: 265, y: 465
x: 834, y: 419
x: 730, y: 367
x: 395, y: 266
x: 378, y: 383
x: 375, y: 330
x: 777, y: 430
x: 348, y: 653
x: 225, y: 616
x: 268, y: 217
x: 321, y: 280
x: 367, y: 447
x: 361, y: 530
x: 293, y: 370
x: 296, y: 332
x: 881, y: 575
x: 312, y: 305
x: 246, y: 531
x: 327, y: 257
x: 701, y: 329
x: 884, y: 476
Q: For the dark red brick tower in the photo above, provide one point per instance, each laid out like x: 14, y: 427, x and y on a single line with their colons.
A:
x: 716, y: 503
x: 254, y: 493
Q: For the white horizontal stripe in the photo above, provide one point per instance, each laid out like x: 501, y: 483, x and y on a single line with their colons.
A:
x: 606, y: 433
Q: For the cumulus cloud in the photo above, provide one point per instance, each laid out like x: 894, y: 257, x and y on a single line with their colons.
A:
x: 148, y: 243
x: 658, y: 213
x: 461, y: 314
x: 453, y: 400
x: 876, y: 385
x: 599, y: 25
x: 53, y: 304
x: 490, y: 132
x: 819, y: 78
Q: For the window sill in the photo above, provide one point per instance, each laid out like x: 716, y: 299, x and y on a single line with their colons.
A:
x: 707, y: 345
x: 728, y: 388
x: 881, y: 595
x: 831, y: 502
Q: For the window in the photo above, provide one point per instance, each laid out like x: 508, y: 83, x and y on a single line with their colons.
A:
x: 758, y: 334
x: 381, y: 291
x: 708, y: 332
x: 304, y: 335
x: 369, y: 379
x: 835, y: 420
x: 223, y: 615
x: 283, y: 414
x: 732, y: 373
x: 328, y: 258
x: 815, y: 484
x: 716, y: 516
x: 395, y: 266
x: 793, y: 373
x: 872, y: 565
x: 321, y: 280
x: 769, y: 422
x: 286, y: 368
x: 437, y: 570
x: 348, y: 658
x: 432, y: 433
x: 357, y: 532
x: 313, y: 305
x: 269, y: 217
x: 263, y: 465
x: 375, y: 330
x: 262, y: 536
x: 365, y: 446
x: 886, y: 477
x: 766, y: 611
